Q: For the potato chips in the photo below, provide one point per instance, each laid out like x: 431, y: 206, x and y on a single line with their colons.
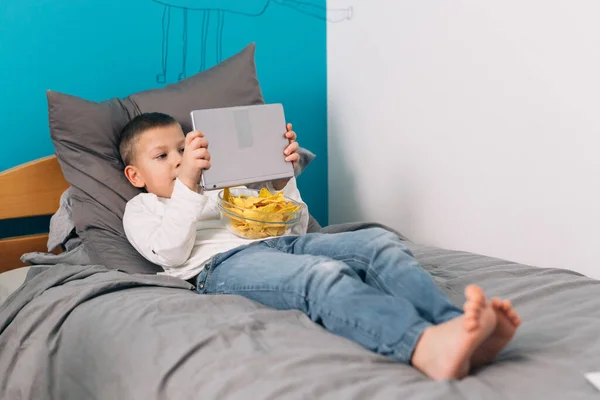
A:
x: 259, y: 217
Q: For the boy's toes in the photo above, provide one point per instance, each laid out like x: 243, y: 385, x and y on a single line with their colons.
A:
x: 514, y: 318
x: 471, y: 320
x: 496, y: 303
x: 506, y: 308
x: 475, y: 294
x: 471, y: 309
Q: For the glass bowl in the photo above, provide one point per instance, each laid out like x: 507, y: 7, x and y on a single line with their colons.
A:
x: 254, y: 223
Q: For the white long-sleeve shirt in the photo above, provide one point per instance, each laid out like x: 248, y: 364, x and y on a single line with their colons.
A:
x: 184, y: 232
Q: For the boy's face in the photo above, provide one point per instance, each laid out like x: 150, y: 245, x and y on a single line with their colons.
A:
x: 157, y: 157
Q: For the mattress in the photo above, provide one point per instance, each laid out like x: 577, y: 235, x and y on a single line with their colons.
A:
x: 84, y: 332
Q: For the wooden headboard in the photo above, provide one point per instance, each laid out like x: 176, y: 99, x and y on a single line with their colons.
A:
x: 28, y: 190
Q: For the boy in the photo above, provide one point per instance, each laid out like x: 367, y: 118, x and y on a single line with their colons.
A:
x: 365, y: 285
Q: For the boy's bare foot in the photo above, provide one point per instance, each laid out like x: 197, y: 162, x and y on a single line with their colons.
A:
x: 444, y: 351
x: 507, y: 323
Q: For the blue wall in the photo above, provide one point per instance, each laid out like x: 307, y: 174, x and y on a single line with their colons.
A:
x: 102, y: 49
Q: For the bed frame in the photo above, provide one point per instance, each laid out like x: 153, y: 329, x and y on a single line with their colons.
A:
x: 31, y: 189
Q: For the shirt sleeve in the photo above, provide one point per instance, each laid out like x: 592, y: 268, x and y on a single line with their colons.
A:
x: 165, y: 240
x: 291, y: 190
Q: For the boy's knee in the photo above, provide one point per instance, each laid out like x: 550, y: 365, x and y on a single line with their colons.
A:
x: 330, y: 266
x: 324, y: 275
x: 326, y: 268
x: 325, y: 265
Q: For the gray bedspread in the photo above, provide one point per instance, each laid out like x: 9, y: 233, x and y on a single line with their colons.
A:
x: 83, y: 332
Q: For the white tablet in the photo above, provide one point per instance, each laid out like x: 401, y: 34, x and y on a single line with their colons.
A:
x: 246, y: 145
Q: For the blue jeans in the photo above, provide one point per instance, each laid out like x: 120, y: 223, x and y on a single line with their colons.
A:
x: 365, y: 285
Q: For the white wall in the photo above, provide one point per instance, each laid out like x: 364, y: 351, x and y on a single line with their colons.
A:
x: 470, y: 125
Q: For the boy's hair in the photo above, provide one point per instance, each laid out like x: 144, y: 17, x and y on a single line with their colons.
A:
x: 136, y: 127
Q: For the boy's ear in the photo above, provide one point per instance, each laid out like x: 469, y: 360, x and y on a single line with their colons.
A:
x: 134, y: 176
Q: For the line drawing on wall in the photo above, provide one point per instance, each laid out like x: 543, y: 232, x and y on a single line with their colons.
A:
x: 217, y: 9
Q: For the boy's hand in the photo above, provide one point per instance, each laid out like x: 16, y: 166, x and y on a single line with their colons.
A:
x: 291, y: 155
x: 291, y: 152
x: 195, y: 159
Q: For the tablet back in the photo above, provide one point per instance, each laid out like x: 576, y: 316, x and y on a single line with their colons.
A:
x: 246, y: 144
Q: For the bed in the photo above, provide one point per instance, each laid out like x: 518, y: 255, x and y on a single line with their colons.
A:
x: 87, y: 332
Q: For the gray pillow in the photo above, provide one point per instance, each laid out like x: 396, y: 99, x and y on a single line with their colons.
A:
x: 86, y: 134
